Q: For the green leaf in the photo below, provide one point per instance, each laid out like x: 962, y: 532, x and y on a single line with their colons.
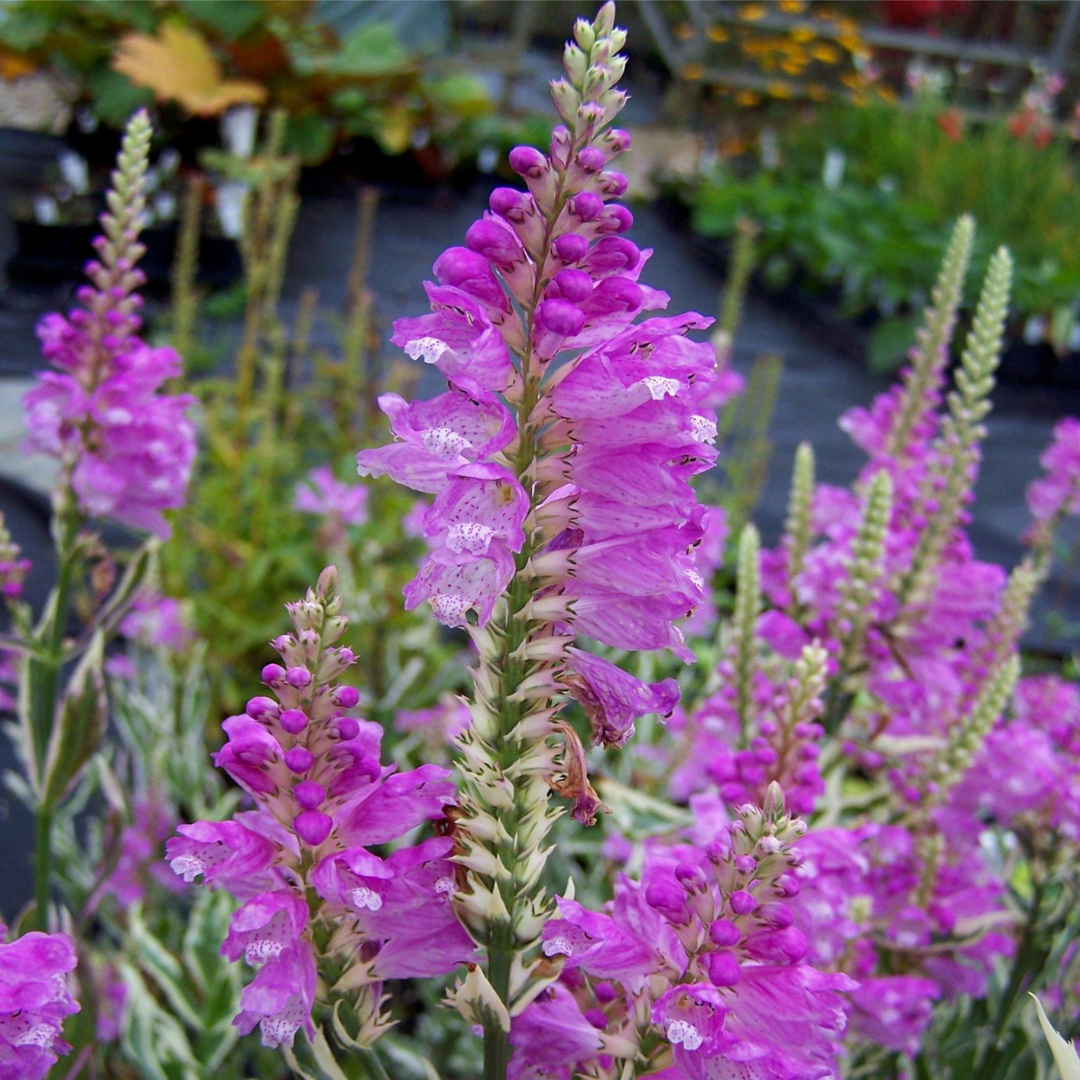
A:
x: 230, y: 18
x: 154, y: 1039
x: 161, y: 966
x: 313, y: 1059
x: 889, y: 342
x: 369, y: 52
x: 115, y: 98
x: 207, y: 926
x: 310, y: 137
x: 135, y: 575
x: 81, y: 720
x: 462, y: 94
x: 1065, y: 1056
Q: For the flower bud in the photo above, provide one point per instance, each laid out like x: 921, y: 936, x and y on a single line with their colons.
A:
x: 584, y: 34
x: 262, y: 708
x: 787, y: 946
x: 309, y: 795
x: 495, y: 242
x: 566, y: 100
x: 313, y: 827
x: 616, y: 219
x: 299, y: 760
x: 346, y: 697
x: 586, y: 205
x: 560, y: 317
x: 298, y: 677
x: 596, y: 1017
x: 591, y: 159
x: 347, y: 728
x: 669, y: 900
x: 469, y: 271
x: 724, y: 932
x: 723, y: 969
x: 327, y: 586
x: 691, y: 878
x: 273, y: 673
x: 293, y: 721
x: 776, y: 915
x: 574, y: 285
x: 616, y: 294
x: 529, y: 162
x: 612, y: 184
x: 571, y: 247
x: 511, y: 204
x: 613, y: 254
x: 604, y: 23
x: 742, y: 902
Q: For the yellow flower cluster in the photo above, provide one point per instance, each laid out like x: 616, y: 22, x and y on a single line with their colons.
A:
x: 821, y: 39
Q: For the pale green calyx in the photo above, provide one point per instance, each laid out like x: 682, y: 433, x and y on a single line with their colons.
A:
x: 744, y: 623
x: 933, y: 337
x: 798, y: 526
x: 867, y: 567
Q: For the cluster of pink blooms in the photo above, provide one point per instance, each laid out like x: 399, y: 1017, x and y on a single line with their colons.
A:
x: 338, y: 504
x: 1057, y: 494
x: 301, y: 859
x: 127, y: 447
x: 580, y: 466
x: 1026, y: 777
x: 13, y: 566
x: 704, y: 946
x: 34, y: 1001
x: 783, y: 748
x: 157, y: 622
x: 436, y: 727
x: 916, y: 910
x: 139, y: 862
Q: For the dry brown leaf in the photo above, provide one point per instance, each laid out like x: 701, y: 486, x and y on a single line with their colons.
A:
x: 178, y: 65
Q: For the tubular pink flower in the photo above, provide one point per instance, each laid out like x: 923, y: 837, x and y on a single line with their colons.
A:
x: 322, y: 494
x: 125, y: 448
x: 34, y: 1000
x: 299, y: 861
x: 280, y: 997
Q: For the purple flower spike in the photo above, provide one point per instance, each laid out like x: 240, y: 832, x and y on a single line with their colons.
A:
x: 317, y: 783
x: 128, y: 448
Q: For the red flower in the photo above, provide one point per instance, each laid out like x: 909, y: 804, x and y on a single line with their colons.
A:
x: 951, y: 121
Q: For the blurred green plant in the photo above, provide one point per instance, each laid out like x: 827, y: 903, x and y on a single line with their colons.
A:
x: 863, y: 200
x: 280, y: 407
x: 201, y: 56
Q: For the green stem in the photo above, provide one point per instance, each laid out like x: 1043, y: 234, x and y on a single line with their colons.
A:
x: 838, y: 705
x: 496, y: 1043
x: 43, y: 675
x: 376, y: 1069
x: 1027, y: 960
x: 42, y: 866
x: 500, y: 944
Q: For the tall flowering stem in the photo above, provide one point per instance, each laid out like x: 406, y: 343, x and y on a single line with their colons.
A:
x: 125, y: 451
x: 323, y: 919
x: 563, y: 503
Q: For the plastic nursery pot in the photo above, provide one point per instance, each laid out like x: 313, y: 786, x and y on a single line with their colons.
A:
x: 1038, y: 365
x: 48, y: 253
